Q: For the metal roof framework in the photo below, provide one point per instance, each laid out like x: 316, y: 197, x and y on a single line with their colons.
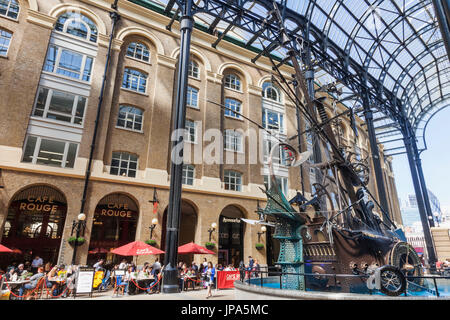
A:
x: 394, y: 48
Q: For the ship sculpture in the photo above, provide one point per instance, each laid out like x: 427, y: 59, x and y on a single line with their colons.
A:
x: 323, y: 240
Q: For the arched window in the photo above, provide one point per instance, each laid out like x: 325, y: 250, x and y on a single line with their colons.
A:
x: 232, y: 81
x: 271, y: 92
x: 193, y: 69
x: 130, y: 118
x: 134, y: 80
x: 138, y: 51
x: 78, y: 25
x: 5, y: 40
x: 9, y: 8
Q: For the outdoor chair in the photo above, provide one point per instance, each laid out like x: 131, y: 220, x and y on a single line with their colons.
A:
x: 119, y: 285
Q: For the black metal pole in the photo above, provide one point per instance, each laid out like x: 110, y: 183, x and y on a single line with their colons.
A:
x: 114, y: 17
x: 420, y: 203
x: 170, y: 282
x: 442, y: 13
x: 368, y: 115
x: 300, y: 144
x: 74, y: 255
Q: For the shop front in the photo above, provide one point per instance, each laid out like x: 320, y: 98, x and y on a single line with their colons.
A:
x: 231, y: 236
x: 34, y: 225
x: 114, y: 225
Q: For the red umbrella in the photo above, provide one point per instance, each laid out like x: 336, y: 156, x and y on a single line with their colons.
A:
x: 98, y: 250
x: 194, y: 248
x: 136, y: 248
x: 4, y: 249
x: 15, y: 250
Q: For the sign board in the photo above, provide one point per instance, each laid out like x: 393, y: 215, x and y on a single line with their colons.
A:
x: 119, y: 272
x: 226, y: 279
x: 85, y: 279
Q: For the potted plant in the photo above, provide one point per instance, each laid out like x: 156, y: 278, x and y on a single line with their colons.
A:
x: 79, y: 241
x: 259, y: 246
x: 210, y: 245
x: 151, y: 242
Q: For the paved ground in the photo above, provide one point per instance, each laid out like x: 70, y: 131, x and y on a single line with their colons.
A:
x: 198, y: 294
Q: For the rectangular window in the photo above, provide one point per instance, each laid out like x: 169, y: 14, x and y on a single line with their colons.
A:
x: 9, y: 8
x: 134, y: 80
x: 192, y: 97
x: 68, y: 63
x: 232, y: 180
x: 58, y: 105
x: 273, y: 120
x: 279, y: 156
x: 49, y: 152
x: 123, y: 164
x: 282, y: 183
x: 191, y: 132
x: 233, y: 141
x: 233, y: 108
x: 130, y: 118
x: 188, y: 174
x: 5, y: 40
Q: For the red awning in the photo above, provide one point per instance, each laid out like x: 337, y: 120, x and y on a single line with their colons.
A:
x: 98, y: 250
x: 4, y: 249
x: 136, y: 248
x: 194, y: 248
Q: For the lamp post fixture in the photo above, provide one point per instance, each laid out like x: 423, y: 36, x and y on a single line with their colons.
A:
x: 153, y: 225
x: 212, y: 229
x: 263, y: 230
x: 78, y: 225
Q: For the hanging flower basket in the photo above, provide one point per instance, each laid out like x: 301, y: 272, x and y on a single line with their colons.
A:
x: 210, y: 245
x: 259, y: 246
x: 78, y: 241
x: 151, y: 242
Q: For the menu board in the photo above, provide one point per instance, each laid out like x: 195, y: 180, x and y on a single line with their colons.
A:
x: 85, y: 280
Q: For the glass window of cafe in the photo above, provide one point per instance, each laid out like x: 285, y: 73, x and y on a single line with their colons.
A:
x: 115, y: 222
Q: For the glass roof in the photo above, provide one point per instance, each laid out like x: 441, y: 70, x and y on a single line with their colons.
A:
x: 398, y: 42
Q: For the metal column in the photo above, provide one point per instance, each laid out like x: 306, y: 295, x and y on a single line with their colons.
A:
x: 368, y: 115
x: 442, y: 8
x: 408, y: 140
x: 170, y: 281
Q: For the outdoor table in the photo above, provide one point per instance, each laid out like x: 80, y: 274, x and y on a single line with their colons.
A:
x: 13, y: 285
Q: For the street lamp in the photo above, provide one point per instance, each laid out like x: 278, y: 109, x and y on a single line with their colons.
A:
x: 263, y: 230
x: 154, y: 223
x: 78, y: 225
x: 211, y: 230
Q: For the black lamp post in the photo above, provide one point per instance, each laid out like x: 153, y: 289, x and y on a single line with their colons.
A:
x: 212, y: 229
x: 78, y: 226
x: 263, y: 230
x: 153, y: 225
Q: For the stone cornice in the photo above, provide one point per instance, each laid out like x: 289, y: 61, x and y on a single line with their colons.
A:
x: 40, y: 19
x: 166, y: 61
x: 214, y: 77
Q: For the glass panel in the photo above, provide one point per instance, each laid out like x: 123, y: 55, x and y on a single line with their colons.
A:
x: 40, y: 102
x: 79, y: 113
x: 62, y: 102
x: 77, y: 28
x: 51, y: 152
x: 70, y: 64
x: 5, y: 39
x: 51, y: 59
x: 87, y: 69
x: 71, y: 155
x: 29, y: 149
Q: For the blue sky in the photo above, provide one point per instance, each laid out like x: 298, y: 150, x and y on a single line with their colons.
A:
x: 435, y: 161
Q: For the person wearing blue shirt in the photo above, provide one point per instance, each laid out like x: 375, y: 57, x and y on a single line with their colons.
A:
x: 210, y: 272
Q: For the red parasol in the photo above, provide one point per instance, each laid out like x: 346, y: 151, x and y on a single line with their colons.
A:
x: 4, y: 249
x: 136, y: 248
x: 98, y: 250
x: 15, y: 250
x: 194, y: 248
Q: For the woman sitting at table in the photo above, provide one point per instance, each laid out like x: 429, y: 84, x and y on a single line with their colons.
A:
x: 34, y: 280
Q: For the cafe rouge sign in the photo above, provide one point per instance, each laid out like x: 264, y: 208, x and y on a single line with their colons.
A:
x: 116, y: 210
x: 39, y: 204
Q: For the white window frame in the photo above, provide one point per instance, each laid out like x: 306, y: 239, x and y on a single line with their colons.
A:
x: 284, y: 183
x: 7, y: 39
x: 47, y: 105
x: 276, y: 89
x: 144, y: 49
x: 57, y: 62
x: 281, y: 127
x: 268, y: 145
x: 234, y: 141
x: 8, y: 10
x: 121, y: 160
x: 193, y: 70
x: 236, y: 104
x: 37, y: 148
x: 187, y: 170
x: 89, y: 33
x: 230, y: 175
x: 233, y: 82
x: 189, y: 97
x: 127, y: 119
x: 191, y: 131
x: 139, y: 78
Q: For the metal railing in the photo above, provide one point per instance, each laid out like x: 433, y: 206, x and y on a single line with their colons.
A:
x: 270, y: 273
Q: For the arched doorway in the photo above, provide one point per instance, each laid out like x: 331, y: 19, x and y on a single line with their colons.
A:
x: 231, y: 236
x: 35, y: 223
x: 188, y: 226
x: 114, y: 225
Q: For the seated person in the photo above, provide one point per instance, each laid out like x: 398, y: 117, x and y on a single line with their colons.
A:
x: 11, y: 275
x: 33, y: 282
